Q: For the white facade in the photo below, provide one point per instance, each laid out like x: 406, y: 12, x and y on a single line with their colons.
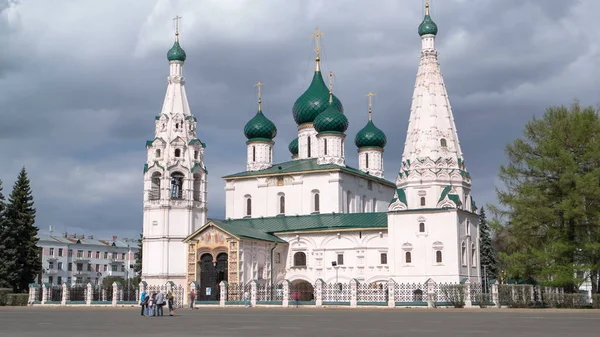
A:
x: 78, y: 259
x: 330, y: 191
x: 370, y: 160
x: 174, y: 185
x: 259, y: 156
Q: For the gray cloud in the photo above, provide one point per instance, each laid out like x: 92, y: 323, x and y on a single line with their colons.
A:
x: 81, y: 82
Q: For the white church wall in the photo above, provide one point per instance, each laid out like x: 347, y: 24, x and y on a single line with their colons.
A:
x: 256, y: 256
x: 365, y: 195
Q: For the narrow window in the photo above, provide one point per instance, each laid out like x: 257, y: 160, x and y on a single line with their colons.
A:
x: 176, y: 125
x: 383, y: 258
x: 340, y: 259
x: 348, y: 202
x: 308, y: 139
x: 467, y: 227
x: 408, y: 257
x: 370, y: 185
x: 374, y: 205
x: 60, y: 252
x: 366, y: 160
x: 282, y: 204
x: 422, y: 201
x: 317, y: 207
x: 155, y: 186
x: 270, y: 155
x: 325, y: 145
x: 277, y: 257
x: 473, y: 255
x: 364, y: 201
x: 438, y: 256
x: 253, y: 153
x: 463, y: 254
x: 157, y: 153
x: 196, y: 154
x: 177, y: 153
x: 177, y: 185
x: 299, y: 259
x: 443, y: 142
x: 248, y: 206
x: 422, y: 227
x: 197, y: 187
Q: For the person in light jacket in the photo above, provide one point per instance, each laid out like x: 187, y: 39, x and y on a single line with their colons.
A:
x: 160, y: 302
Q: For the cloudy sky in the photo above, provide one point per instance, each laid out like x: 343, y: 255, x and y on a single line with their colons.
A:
x: 81, y: 82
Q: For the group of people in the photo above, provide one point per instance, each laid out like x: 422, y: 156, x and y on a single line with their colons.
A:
x: 152, y: 303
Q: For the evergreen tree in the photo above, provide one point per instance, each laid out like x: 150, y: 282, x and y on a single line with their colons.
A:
x: 138, y: 260
x: 488, y: 260
x: 20, y: 240
x: 3, y: 261
x: 551, y: 199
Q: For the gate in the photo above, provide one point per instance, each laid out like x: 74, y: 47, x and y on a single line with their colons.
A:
x: 78, y: 293
x: 129, y: 293
x: 211, y: 275
x: 56, y: 294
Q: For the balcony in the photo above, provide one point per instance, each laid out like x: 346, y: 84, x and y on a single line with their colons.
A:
x: 51, y: 258
x: 116, y: 261
x: 52, y: 271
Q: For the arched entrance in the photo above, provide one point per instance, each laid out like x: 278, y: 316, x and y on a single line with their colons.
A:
x: 211, y: 274
x: 302, y: 290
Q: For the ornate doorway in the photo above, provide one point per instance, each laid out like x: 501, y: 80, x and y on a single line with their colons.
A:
x: 211, y: 274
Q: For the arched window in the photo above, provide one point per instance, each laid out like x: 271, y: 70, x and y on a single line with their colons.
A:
x: 422, y: 227
x: 253, y: 153
x: 177, y: 153
x: 197, y: 186
x: 366, y: 160
x: 316, y: 205
x: 325, y: 146
x: 348, y: 202
x: 299, y: 259
x: 463, y: 254
x: 281, y: 204
x: 308, y: 145
x: 418, y: 295
x: 473, y: 255
x: 467, y: 227
x: 408, y: 257
x: 248, y: 206
x: 196, y: 154
x: 443, y: 142
x: 438, y: 256
x: 155, y: 186
x: 177, y: 185
x: 422, y: 201
x: 157, y: 153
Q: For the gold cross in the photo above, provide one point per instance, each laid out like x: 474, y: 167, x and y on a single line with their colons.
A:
x: 426, y: 7
x: 331, y: 74
x: 259, y: 84
x: 370, y: 98
x: 317, y: 35
x: 176, y: 19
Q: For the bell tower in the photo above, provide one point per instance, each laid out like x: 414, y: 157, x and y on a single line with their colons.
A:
x: 174, y: 181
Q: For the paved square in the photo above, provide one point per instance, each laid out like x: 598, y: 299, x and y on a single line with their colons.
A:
x: 254, y: 322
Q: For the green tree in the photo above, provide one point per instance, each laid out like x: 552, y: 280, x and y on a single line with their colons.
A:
x: 109, y: 280
x: 551, y: 198
x: 3, y: 261
x: 138, y: 261
x: 21, y: 255
x: 488, y: 260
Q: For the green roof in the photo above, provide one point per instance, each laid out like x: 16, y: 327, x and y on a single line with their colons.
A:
x: 305, y: 165
x: 331, y: 120
x: 370, y: 136
x: 176, y: 53
x: 293, y: 147
x: 281, y: 224
x: 314, y: 101
x: 196, y: 140
x: 243, y: 231
x: 428, y: 26
x: 260, y: 127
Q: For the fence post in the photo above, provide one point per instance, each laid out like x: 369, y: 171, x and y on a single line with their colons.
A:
x: 286, y: 294
x: 65, y: 294
x: 88, y: 294
x: 224, y: 292
x: 430, y: 293
x: 467, y: 294
x: 391, y: 293
x: 45, y: 293
x: 495, y: 294
x: 115, y: 293
x: 353, y: 293
x: 319, y: 293
x: 253, y: 288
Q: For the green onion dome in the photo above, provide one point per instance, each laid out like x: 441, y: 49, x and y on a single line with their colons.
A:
x: 260, y: 128
x: 176, y: 53
x: 428, y: 26
x: 370, y: 136
x: 331, y: 120
x: 293, y: 147
x: 314, y: 101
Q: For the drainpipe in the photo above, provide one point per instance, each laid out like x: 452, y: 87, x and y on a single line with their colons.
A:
x: 272, y: 249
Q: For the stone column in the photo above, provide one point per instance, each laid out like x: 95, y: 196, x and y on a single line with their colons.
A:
x: 319, y: 293
x: 495, y: 295
x: 32, y: 294
x: 431, y: 295
x: 89, y: 295
x: 223, y: 296
x: 286, y: 294
x: 467, y: 294
x: 65, y: 294
x: 45, y: 293
x: 116, y: 293
x: 253, y: 291
x: 391, y: 292
x: 353, y: 293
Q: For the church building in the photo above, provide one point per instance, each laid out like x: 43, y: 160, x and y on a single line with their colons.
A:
x: 313, y: 216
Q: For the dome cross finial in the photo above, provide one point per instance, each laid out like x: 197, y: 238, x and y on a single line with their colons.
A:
x: 259, y: 84
x: 331, y: 74
x: 317, y: 36
x: 370, y: 98
x: 427, y: 7
x: 176, y: 19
